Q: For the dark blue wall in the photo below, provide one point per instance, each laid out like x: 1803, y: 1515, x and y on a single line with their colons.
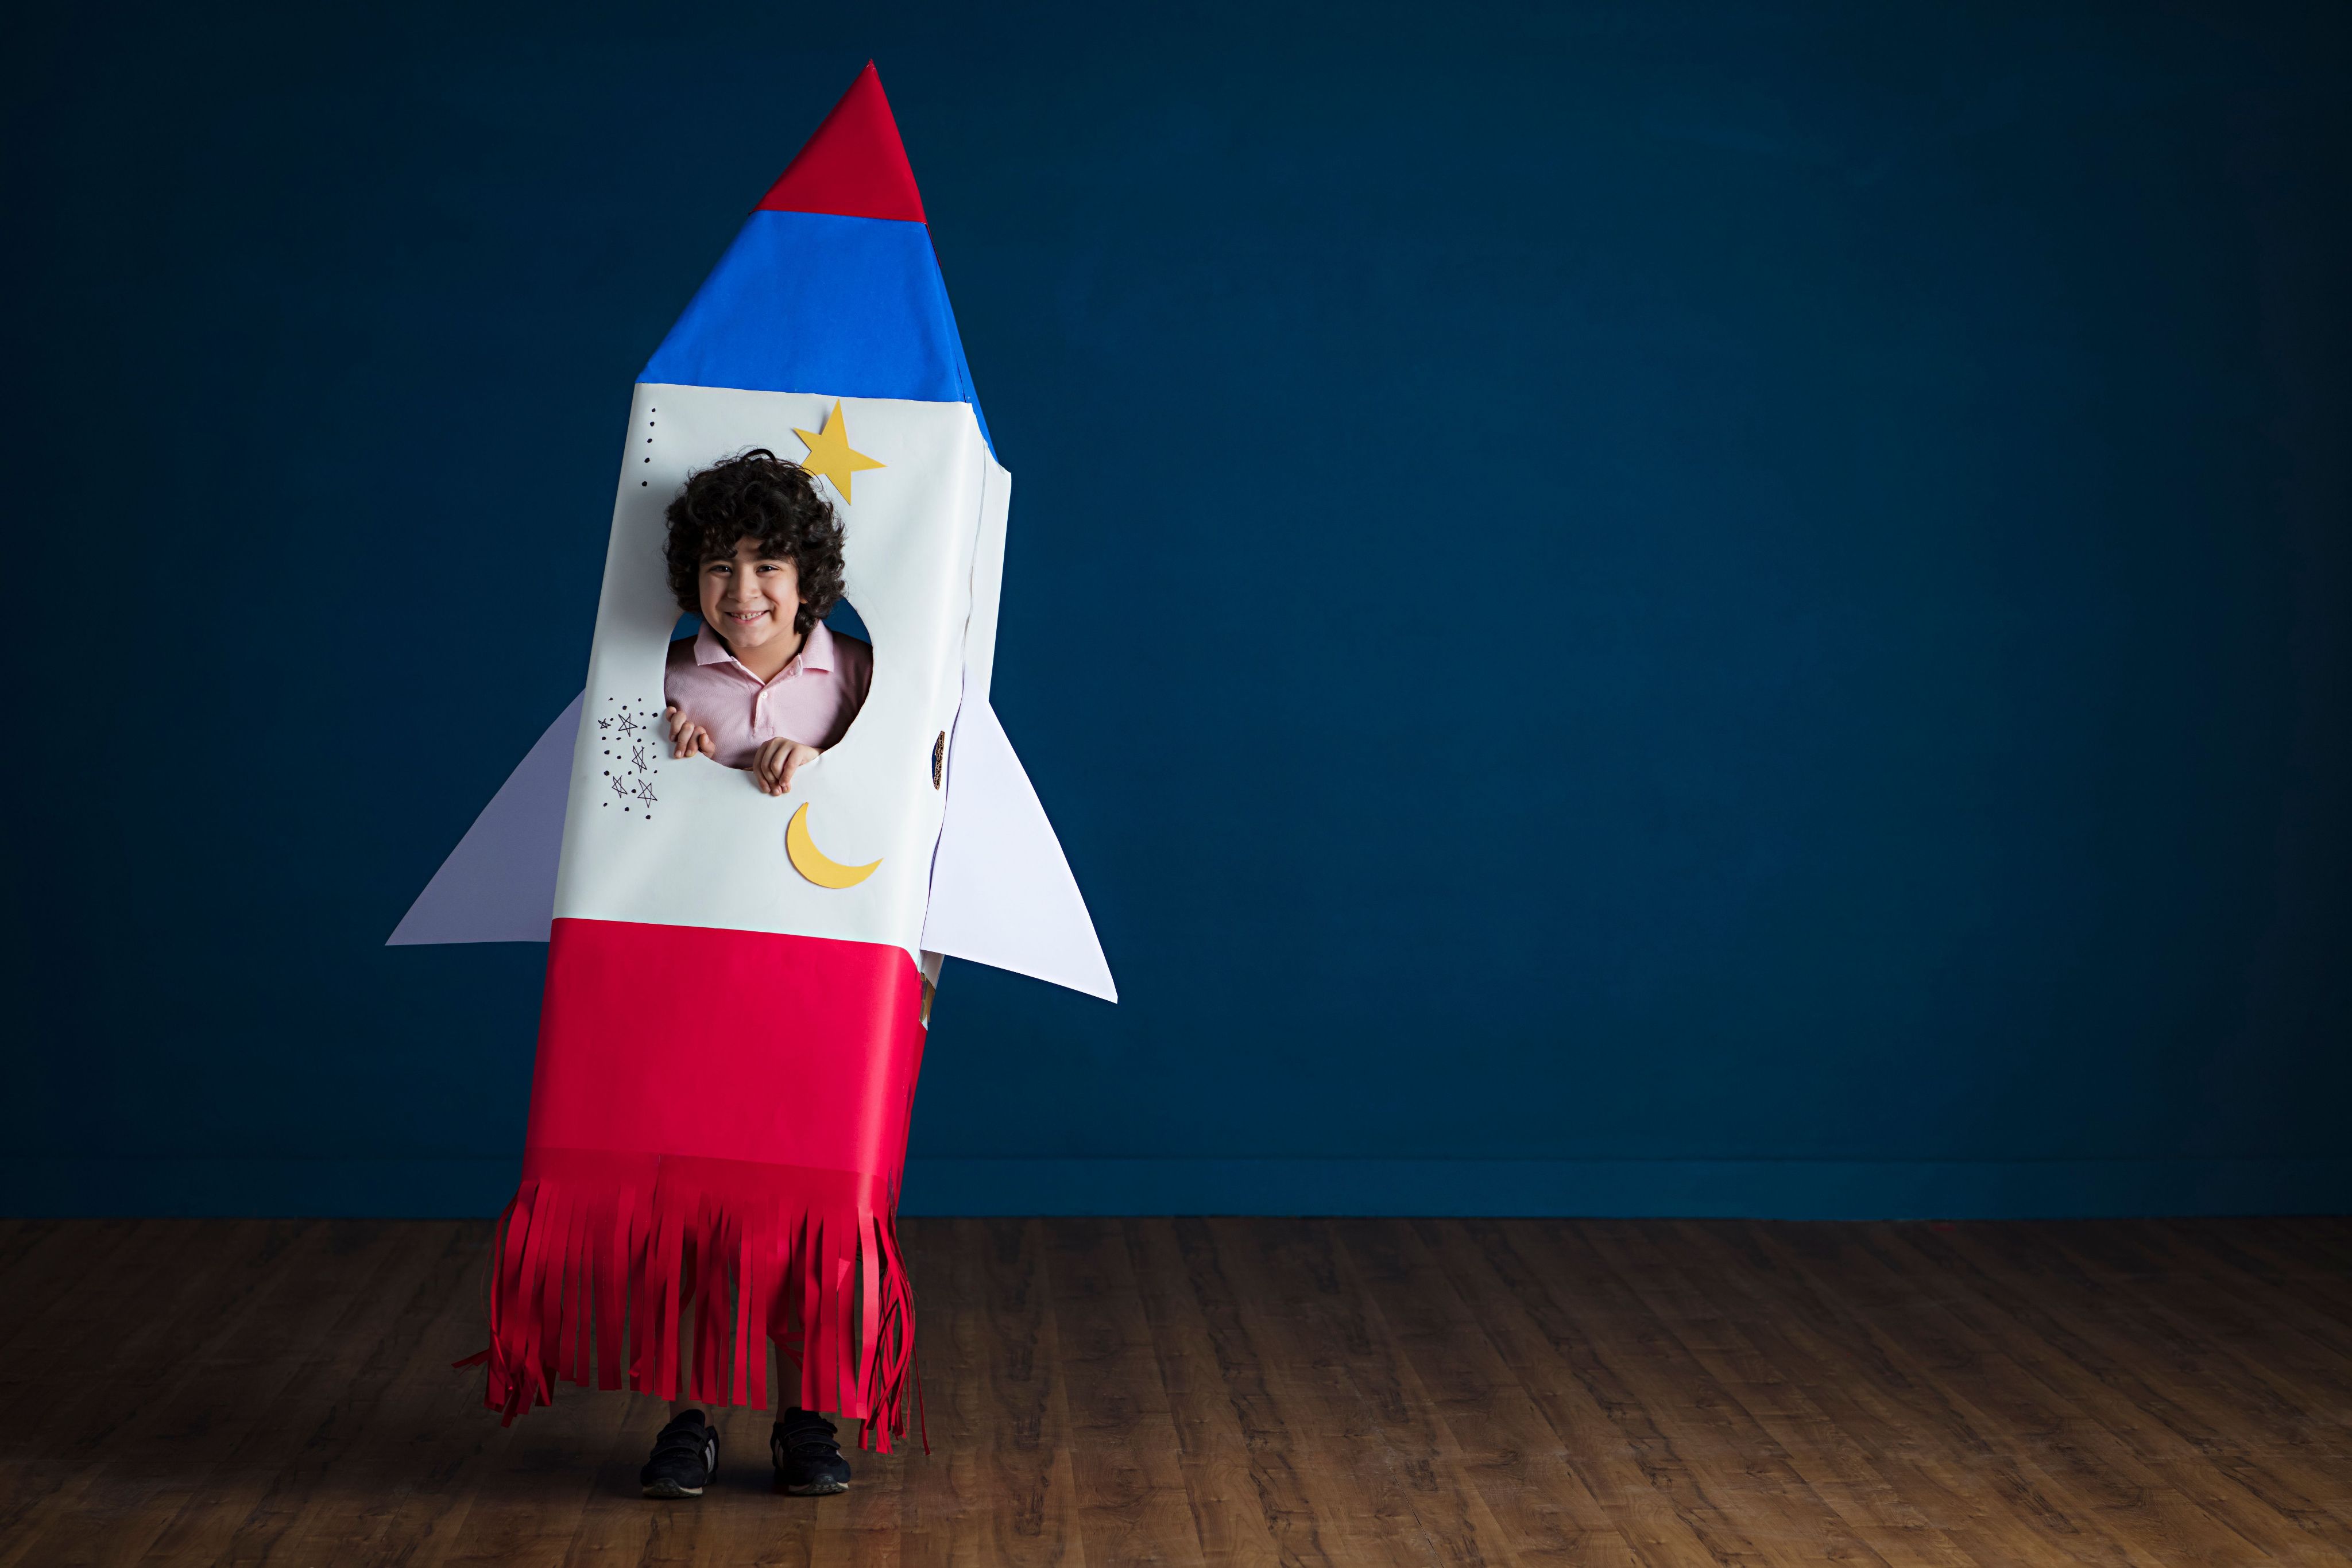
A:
x: 1622, y: 608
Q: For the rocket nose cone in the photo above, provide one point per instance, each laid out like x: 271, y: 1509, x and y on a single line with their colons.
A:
x: 854, y: 166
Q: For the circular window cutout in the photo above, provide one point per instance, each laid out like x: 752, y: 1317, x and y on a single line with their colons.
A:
x: 768, y: 664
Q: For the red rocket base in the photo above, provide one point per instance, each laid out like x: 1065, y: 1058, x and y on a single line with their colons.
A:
x: 718, y: 1123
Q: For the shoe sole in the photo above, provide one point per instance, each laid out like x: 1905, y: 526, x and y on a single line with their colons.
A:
x: 817, y: 1489
x: 668, y: 1490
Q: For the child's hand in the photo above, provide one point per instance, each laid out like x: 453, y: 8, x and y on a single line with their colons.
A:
x: 688, y: 737
x: 774, y: 765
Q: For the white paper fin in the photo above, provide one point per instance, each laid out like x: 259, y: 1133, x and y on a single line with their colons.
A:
x: 498, y: 883
x: 1001, y: 893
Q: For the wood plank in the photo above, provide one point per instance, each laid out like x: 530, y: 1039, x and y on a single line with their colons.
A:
x: 1242, y: 1392
x: 2313, y: 1248
x: 85, y: 1314
x: 2235, y: 1445
x: 19, y: 1238
x: 1958, y: 1480
x: 2104, y: 1280
x: 408, y: 1430
x: 1313, y: 1510
x: 2291, y: 1345
x: 1029, y: 1422
x: 1847, y: 1453
x: 1005, y: 1434
x: 2302, y: 1278
x: 1238, y: 1507
x: 106, y: 1460
x: 1480, y: 1411
x: 1961, y: 1453
x: 565, y: 1477
x: 928, y: 1499
x: 1983, y: 1406
x: 254, y: 1475
x: 2050, y: 1332
x: 1714, y: 1448
x: 37, y: 1258
x: 98, y: 1343
x: 65, y: 1256
x: 867, y: 1526
x: 1339, y: 1387
x: 1626, y: 1465
x: 1132, y: 1502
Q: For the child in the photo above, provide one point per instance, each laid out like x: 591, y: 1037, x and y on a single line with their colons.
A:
x: 765, y: 687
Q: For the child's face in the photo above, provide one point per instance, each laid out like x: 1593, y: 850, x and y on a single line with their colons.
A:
x: 750, y: 599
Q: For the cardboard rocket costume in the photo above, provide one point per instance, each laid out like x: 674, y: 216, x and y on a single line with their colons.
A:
x: 738, y: 985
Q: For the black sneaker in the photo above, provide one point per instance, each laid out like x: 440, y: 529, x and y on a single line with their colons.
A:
x: 808, y: 1461
x: 685, y: 1457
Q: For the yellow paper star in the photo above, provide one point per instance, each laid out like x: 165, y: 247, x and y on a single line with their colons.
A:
x: 829, y: 453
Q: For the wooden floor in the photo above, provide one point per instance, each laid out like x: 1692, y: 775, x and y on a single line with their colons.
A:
x: 1259, y: 1391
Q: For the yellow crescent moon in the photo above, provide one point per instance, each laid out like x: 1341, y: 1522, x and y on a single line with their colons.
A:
x: 815, y: 863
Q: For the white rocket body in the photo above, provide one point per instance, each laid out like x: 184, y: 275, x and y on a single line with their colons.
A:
x: 969, y: 866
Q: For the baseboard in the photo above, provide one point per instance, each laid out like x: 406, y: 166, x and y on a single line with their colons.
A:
x: 1765, y: 1189
x: 253, y: 1189
x: 1752, y: 1189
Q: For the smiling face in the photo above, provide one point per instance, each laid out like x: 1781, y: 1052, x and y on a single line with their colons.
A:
x: 751, y: 599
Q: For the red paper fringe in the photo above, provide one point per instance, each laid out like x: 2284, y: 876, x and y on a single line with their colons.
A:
x: 597, y: 1253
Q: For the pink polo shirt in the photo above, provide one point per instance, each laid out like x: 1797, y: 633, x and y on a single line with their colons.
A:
x: 812, y: 699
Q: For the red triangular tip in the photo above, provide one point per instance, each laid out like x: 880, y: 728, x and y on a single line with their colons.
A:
x: 854, y: 166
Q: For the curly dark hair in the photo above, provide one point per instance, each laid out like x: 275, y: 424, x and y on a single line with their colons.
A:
x: 756, y: 494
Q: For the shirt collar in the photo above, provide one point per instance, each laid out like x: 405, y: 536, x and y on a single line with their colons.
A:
x: 817, y: 652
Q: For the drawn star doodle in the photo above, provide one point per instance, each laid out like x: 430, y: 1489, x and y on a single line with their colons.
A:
x: 633, y: 790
